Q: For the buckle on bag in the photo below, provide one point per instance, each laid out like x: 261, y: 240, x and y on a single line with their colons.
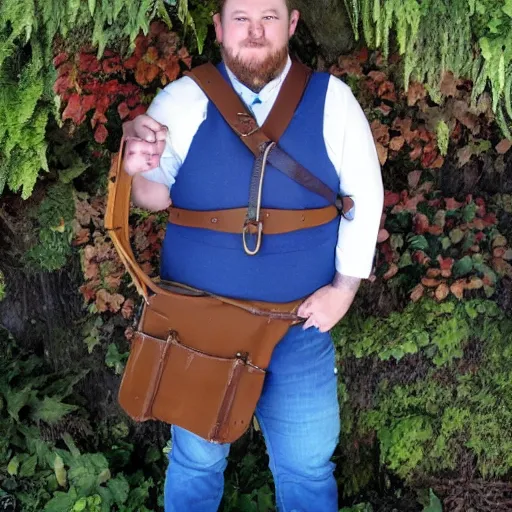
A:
x: 258, y: 225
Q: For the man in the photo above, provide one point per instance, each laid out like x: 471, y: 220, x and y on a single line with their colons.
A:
x: 185, y: 150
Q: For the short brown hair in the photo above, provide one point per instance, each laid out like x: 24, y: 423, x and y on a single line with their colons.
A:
x: 221, y: 3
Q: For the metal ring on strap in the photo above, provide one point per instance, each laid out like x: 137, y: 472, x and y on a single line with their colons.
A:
x: 253, y: 216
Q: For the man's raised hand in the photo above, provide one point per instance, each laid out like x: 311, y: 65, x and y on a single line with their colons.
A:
x: 145, y: 143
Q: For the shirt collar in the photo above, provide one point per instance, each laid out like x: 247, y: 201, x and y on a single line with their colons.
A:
x: 270, y: 90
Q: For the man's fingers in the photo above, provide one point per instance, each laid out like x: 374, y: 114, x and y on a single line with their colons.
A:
x: 310, y: 322
x: 304, y: 309
x: 148, y: 129
x: 134, y: 145
x: 161, y: 134
x: 142, y: 156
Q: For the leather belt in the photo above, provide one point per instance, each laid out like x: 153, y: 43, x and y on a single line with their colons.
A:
x: 274, y: 221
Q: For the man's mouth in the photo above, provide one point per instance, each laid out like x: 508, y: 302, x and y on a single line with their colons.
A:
x: 253, y: 44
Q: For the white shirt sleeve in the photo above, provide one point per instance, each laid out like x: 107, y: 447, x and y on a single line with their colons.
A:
x: 181, y: 106
x: 351, y: 148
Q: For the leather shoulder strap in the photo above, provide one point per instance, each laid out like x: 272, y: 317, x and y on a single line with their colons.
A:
x: 213, y: 84
x: 287, y: 101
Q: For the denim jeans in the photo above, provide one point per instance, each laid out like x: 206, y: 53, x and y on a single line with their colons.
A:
x: 298, y: 414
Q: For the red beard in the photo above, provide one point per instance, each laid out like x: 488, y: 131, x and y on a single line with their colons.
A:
x: 255, y: 75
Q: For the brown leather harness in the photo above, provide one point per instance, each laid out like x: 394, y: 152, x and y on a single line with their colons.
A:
x: 263, y: 143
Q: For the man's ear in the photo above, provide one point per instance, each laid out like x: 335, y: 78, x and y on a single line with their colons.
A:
x: 217, y: 23
x: 294, y: 19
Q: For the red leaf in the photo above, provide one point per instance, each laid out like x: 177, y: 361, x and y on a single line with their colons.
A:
x: 445, y: 265
x: 112, y: 65
x: 417, y: 293
x: 421, y: 223
x: 490, y: 219
x: 88, y: 292
x: 172, y: 71
x: 101, y: 134
x: 430, y: 283
x: 386, y: 91
x: 404, y: 126
x: 413, y: 178
x: 74, y: 110
x: 127, y: 310
x: 475, y: 283
x: 123, y: 110
x: 145, y: 72
x: 452, y: 204
x: 457, y: 288
x: 391, y: 198
x: 380, y: 132
x: 442, y: 291
x: 433, y: 272
x: 397, y: 143
x: 435, y: 230
x: 387, y: 252
x: 392, y: 271
x: 384, y: 109
x: 448, y: 86
x: 131, y: 63
x: 141, y: 109
x: 377, y: 76
x: 382, y: 236
x: 88, y: 62
x: 416, y: 152
x: 415, y: 92
x: 421, y: 258
x: 382, y: 153
x: 60, y: 58
x: 504, y: 146
x: 63, y: 84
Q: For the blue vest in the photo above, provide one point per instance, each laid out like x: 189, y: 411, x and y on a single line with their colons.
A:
x: 216, y: 175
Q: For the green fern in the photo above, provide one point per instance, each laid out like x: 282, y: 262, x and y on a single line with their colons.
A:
x: 438, y: 35
x: 27, y: 32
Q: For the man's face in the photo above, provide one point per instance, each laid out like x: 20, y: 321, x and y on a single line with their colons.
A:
x: 254, y: 36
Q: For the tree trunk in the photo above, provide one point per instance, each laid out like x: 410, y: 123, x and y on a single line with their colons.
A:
x: 328, y: 22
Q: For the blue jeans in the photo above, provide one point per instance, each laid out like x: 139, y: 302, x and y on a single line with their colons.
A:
x: 298, y: 413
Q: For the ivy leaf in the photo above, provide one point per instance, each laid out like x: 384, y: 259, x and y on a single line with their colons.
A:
x: 463, y: 266
x: 13, y: 466
x: 28, y: 468
x: 62, y: 501
x: 51, y: 410
x: 418, y: 242
x: 17, y: 400
x: 60, y: 471
x: 119, y: 488
x: 456, y: 235
x: 469, y: 212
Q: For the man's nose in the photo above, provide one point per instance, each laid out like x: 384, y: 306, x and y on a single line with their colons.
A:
x: 256, y: 30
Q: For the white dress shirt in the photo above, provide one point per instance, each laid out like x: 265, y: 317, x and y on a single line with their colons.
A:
x: 182, y: 107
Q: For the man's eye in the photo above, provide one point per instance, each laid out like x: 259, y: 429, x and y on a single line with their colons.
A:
x: 268, y: 18
x: 240, y: 19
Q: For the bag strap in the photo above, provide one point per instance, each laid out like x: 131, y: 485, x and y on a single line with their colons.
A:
x: 235, y: 113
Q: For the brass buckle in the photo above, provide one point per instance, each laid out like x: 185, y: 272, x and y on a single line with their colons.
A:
x: 259, y: 224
